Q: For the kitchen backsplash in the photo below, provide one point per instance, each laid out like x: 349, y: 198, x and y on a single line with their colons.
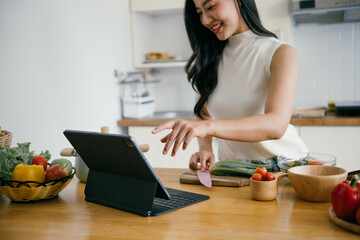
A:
x: 329, y: 63
x: 174, y: 92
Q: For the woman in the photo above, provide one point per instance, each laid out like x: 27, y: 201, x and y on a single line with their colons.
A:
x: 245, y: 79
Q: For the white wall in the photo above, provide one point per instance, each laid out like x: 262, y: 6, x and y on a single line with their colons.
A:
x: 274, y: 15
x: 329, y: 63
x: 57, y: 60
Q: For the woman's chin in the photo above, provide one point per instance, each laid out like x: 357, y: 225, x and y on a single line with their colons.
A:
x: 221, y: 37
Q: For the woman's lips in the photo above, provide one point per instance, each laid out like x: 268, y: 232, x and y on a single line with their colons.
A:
x: 216, y: 28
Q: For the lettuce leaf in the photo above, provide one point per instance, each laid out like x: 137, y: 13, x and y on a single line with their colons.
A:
x: 10, y: 157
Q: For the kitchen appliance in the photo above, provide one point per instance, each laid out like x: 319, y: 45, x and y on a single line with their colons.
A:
x: 324, y: 11
x: 138, y: 107
x: 136, y: 101
x: 349, y: 108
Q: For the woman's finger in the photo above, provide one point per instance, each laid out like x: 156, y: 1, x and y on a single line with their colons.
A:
x: 189, y: 136
x: 166, y: 125
x: 193, y: 163
x: 203, y: 162
x: 164, y: 139
x: 179, y: 139
x: 172, y: 136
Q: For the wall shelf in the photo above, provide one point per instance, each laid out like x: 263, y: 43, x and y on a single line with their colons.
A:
x: 158, y: 26
x: 161, y: 64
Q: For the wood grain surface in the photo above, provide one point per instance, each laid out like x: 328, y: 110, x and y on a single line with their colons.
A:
x: 228, y: 214
x: 190, y: 177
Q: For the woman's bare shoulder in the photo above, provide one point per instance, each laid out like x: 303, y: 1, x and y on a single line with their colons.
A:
x: 285, y: 54
x: 286, y: 50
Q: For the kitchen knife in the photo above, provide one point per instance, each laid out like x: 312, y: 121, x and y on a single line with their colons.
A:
x: 204, y: 178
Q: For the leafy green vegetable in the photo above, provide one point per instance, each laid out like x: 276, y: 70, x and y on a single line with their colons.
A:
x: 46, y: 155
x: 10, y: 157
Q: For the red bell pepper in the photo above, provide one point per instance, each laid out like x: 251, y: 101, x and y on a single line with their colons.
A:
x: 345, y: 199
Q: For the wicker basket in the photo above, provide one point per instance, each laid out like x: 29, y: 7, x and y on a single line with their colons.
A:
x: 18, y: 191
x: 5, y: 139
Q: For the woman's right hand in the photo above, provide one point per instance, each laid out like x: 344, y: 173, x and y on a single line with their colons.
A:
x: 204, y: 157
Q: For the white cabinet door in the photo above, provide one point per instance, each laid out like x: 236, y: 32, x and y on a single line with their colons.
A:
x: 143, y: 135
x: 340, y: 141
x: 155, y: 5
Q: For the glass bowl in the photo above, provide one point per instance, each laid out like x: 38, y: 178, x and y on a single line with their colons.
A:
x: 305, y: 158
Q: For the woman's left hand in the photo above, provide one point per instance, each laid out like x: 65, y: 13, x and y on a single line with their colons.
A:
x: 183, y: 131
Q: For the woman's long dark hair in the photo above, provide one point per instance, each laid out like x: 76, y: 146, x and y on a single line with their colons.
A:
x: 202, y: 67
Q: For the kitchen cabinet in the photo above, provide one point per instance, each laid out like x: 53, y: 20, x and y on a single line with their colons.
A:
x: 158, y: 26
x: 155, y: 5
x: 143, y: 135
x: 343, y: 142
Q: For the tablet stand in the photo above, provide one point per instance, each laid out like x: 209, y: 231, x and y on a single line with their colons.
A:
x: 121, y: 192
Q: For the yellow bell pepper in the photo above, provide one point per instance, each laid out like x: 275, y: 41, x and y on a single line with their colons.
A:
x: 24, y: 172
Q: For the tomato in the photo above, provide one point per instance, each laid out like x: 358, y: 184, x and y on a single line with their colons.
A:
x: 358, y: 216
x: 257, y: 177
x: 262, y: 171
x: 40, y: 160
x: 269, y: 176
x: 316, y: 163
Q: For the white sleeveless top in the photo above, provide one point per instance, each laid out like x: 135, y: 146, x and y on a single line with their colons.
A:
x: 243, y: 82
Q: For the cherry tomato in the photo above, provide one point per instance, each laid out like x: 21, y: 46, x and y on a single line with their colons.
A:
x: 257, y: 177
x: 269, y: 176
x: 262, y: 171
x: 316, y: 163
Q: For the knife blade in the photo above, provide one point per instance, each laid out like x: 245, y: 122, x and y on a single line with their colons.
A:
x: 204, y: 178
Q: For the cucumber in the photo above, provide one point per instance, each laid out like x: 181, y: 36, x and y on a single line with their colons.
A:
x: 240, y: 167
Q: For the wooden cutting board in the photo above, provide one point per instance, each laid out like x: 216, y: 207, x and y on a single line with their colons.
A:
x: 353, y: 227
x: 191, y: 177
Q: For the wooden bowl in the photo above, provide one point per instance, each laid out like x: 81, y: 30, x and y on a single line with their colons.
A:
x: 315, y: 183
x: 265, y: 190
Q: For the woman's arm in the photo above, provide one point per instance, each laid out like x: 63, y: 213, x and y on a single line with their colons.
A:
x: 205, y: 156
x: 270, y: 125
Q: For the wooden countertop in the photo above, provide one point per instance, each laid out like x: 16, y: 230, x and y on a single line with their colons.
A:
x: 330, y: 119
x: 228, y: 214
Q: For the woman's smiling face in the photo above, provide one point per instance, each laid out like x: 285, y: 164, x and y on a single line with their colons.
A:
x: 222, y: 17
